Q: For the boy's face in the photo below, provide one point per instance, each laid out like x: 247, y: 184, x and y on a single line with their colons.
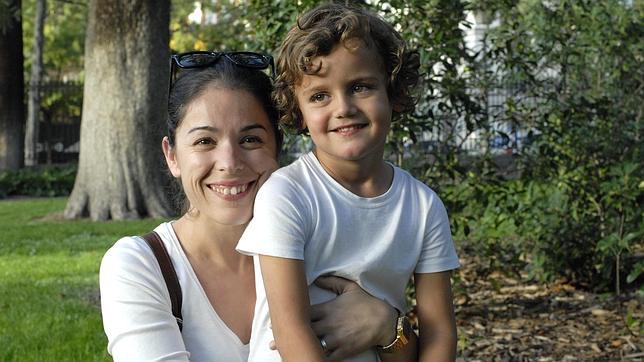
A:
x: 345, y: 105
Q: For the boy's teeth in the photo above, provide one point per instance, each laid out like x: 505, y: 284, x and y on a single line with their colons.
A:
x: 348, y: 128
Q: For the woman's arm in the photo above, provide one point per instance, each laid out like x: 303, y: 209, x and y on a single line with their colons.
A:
x: 355, y: 321
x: 436, y: 323
x: 137, y: 315
x: 288, y: 301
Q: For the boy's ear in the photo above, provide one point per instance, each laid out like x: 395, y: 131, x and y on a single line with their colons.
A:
x: 170, y: 157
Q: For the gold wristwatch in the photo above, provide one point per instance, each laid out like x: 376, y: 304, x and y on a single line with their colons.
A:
x: 403, y: 333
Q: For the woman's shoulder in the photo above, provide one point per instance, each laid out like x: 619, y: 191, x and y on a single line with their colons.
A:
x: 131, y: 253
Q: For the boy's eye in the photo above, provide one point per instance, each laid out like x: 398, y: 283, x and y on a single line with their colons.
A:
x: 358, y: 88
x: 318, y: 97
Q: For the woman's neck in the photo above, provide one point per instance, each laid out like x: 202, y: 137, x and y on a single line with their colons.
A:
x: 206, y: 241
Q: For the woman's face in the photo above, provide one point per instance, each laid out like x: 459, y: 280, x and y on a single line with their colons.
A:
x: 224, y: 150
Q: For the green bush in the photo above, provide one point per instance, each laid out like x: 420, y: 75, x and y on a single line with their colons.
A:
x: 38, y: 181
x: 555, y: 228
x: 574, y: 210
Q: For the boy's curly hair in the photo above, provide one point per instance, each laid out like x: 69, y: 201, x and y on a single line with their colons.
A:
x: 318, y: 31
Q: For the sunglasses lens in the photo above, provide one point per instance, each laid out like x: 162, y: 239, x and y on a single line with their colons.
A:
x: 196, y: 60
x: 249, y: 59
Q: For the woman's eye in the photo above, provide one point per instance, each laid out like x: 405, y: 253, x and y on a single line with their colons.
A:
x: 204, y: 142
x: 251, y: 139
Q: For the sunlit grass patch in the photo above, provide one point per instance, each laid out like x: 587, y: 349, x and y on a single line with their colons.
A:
x: 49, y: 297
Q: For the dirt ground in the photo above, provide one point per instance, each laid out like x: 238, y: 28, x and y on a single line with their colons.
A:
x: 502, y: 319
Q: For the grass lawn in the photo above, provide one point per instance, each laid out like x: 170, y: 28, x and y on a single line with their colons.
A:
x: 49, y: 299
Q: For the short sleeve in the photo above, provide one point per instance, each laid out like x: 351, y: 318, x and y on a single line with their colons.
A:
x: 280, y: 223
x: 438, y: 252
x: 135, y: 304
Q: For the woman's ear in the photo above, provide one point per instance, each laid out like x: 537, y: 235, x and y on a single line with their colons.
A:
x: 397, y: 107
x: 170, y: 157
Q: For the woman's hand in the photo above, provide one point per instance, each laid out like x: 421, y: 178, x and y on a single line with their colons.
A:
x: 352, y: 322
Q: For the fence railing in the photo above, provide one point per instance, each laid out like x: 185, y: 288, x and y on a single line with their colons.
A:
x: 60, y: 117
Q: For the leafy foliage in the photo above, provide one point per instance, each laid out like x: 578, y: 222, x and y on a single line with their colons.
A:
x: 9, y: 12
x: 578, y: 64
x: 38, y: 181
x: 64, y: 37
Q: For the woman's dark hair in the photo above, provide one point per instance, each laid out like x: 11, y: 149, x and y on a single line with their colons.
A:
x: 223, y: 74
x: 191, y: 83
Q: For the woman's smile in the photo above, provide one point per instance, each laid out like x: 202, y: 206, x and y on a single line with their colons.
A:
x: 225, y: 149
x: 231, y: 192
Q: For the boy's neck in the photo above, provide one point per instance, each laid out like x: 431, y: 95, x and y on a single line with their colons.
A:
x: 365, y: 178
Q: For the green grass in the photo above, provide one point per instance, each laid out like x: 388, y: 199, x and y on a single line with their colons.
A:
x: 49, y: 298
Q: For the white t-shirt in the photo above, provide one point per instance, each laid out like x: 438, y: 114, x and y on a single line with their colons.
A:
x: 137, y: 313
x: 303, y: 213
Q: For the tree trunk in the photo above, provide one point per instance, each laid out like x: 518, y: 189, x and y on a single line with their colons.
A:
x: 33, y: 107
x: 12, y: 109
x: 121, y: 174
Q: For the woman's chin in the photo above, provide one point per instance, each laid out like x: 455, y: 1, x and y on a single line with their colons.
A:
x: 224, y: 217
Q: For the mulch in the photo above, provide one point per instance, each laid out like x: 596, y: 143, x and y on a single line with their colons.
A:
x: 500, y: 318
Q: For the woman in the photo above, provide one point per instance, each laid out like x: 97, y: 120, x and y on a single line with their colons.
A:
x: 222, y: 144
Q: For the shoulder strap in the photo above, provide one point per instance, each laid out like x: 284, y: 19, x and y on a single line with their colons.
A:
x: 169, y: 274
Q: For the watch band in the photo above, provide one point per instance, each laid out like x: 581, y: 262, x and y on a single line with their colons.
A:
x: 403, y: 332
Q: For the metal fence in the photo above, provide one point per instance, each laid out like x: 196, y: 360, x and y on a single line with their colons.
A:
x: 59, y: 121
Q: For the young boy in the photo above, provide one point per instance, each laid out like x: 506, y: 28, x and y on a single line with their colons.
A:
x: 343, y: 73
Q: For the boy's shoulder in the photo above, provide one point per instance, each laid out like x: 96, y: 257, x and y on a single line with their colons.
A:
x: 407, y: 180
x: 293, y: 172
x: 289, y: 179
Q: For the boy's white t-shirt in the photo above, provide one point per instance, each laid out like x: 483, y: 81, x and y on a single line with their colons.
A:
x: 303, y: 213
x: 137, y: 314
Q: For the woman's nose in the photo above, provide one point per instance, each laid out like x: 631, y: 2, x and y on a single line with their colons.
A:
x: 229, y: 158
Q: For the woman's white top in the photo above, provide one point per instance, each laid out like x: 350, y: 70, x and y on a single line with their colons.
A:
x: 137, y: 313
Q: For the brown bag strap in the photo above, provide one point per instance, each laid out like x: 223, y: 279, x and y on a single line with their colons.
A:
x: 169, y: 274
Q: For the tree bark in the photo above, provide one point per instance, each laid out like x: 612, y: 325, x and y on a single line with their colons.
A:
x: 33, y: 106
x: 121, y: 173
x: 12, y: 109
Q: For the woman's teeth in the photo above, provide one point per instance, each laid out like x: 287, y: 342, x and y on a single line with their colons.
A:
x: 230, y: 190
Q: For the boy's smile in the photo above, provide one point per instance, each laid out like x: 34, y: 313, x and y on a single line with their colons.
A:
x: 345, y: 105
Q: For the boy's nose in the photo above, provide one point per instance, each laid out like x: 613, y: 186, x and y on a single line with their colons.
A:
x: 344, y: 107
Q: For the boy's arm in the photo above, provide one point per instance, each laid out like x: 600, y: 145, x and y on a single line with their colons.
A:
x: 436, y: 323
x: 288, y: 303
x: 407, y: 353
x: 355, y: 321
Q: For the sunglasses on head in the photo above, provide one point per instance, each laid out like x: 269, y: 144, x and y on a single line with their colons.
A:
x: 202, y: 59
